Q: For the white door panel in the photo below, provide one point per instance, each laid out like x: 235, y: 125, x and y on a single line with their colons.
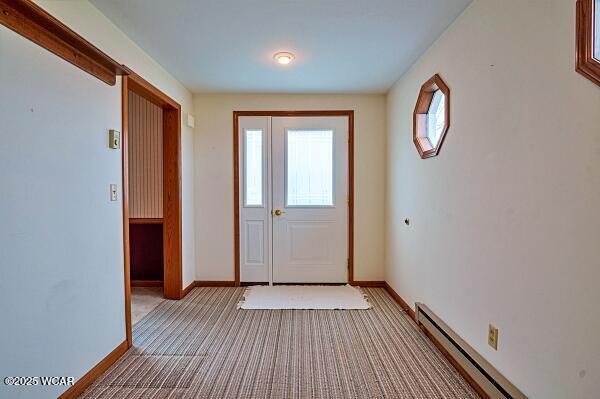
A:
x: 255, y: 199
x: 310, y: 187
x: 298, y: 166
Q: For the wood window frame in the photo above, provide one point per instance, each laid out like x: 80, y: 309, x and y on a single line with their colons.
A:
x: 236, y: 179
x: 32, y: 22
x: 586, y: 64
x: 172, y: 218
x: 422, y: 109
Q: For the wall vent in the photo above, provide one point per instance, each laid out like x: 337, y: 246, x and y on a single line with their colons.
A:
x: 480, y: 370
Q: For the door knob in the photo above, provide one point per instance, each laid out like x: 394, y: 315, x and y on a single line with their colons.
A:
x: 279, y: 212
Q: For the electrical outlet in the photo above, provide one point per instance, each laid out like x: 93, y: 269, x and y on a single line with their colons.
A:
x: 493, y: 337
x: 113, y: 192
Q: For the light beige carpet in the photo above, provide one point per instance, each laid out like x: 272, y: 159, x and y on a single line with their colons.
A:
x: 204, y: 347
x: 144, y: 300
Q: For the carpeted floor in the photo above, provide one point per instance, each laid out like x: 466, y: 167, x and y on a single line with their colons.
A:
x: 204, y: 347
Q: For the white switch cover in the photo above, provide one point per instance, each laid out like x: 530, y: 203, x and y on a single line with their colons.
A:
x: 113, y: 192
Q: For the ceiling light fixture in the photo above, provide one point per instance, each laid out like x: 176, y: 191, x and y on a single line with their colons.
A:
x: 283, y: 57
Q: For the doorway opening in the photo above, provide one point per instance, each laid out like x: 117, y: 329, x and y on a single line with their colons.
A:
x: 293, y: 183
x: 151, y: 157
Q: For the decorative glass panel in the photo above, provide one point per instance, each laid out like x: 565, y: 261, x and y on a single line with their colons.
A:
x: 309, y: 167
x: 253, y: 168
x: 597, y: 30
x: 436, y: 117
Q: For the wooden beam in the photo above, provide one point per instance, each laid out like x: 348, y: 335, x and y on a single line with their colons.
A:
x: 34, y: 23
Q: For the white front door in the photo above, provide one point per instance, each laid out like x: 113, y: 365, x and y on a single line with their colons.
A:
x: 294, y: 199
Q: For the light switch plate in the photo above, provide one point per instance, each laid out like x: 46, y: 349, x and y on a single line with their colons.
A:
x: 113, y: 192
x: 114, y: 139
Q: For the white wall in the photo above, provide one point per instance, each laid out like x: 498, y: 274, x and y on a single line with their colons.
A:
x: 213, y: 153
x: 505, y: 221
x: 61, y: 245
x: 61, y: 248
x: 86, y: 20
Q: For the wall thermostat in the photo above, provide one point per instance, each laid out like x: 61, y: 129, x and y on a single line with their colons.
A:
x: 114, y: 139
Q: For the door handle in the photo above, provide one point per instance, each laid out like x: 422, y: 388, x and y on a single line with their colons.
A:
x: 278, y: 212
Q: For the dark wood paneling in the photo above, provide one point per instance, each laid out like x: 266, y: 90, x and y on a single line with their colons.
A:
x: 34, y: 23
x: 146, y: 283
x: 236, y: 177
x: 146, y: 248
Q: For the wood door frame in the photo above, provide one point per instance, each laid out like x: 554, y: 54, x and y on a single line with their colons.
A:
x: 172, y: 223
x: 236, y: 178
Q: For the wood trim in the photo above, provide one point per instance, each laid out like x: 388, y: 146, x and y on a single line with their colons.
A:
x: 146, y: 283
x: 187, y: 289
x: 236, y: 178
x: 89, y: 377
x: 34, y: 23
x: 145, y: 221
x: 125, y: 196
x: 422, y: 108
x: 206, y: 283
x: 172, y: 233
x: 372, y: 284
x: 400, y: 301
x: 410, y: 311
x: 172, y: 223
x: 145, y: 89
x: 585, y: 63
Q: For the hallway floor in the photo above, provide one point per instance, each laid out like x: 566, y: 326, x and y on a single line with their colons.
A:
x: 205, y: 347
x: 143, y: 301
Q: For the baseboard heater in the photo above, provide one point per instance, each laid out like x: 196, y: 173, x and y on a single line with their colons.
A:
x: 480, y: 370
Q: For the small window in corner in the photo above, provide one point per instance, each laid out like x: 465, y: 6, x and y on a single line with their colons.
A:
x: 431, y: 117
x: 588, y: 39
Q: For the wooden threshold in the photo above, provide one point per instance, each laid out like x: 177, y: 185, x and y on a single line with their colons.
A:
x: 32, y: 22
x: 89, y: 377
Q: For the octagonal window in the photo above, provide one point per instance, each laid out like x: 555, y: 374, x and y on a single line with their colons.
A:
x: 588, y: 39
x: 431, y: 117
x: 436, y: 118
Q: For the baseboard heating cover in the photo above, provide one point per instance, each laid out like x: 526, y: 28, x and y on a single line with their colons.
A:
x: 480, y: 370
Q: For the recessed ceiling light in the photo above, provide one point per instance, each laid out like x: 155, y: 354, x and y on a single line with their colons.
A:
x: 283, y: 57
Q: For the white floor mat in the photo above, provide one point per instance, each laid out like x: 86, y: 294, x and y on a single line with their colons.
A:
x: 304, y: 297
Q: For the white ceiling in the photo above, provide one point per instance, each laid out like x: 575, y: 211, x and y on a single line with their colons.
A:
x: 341, y: 46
